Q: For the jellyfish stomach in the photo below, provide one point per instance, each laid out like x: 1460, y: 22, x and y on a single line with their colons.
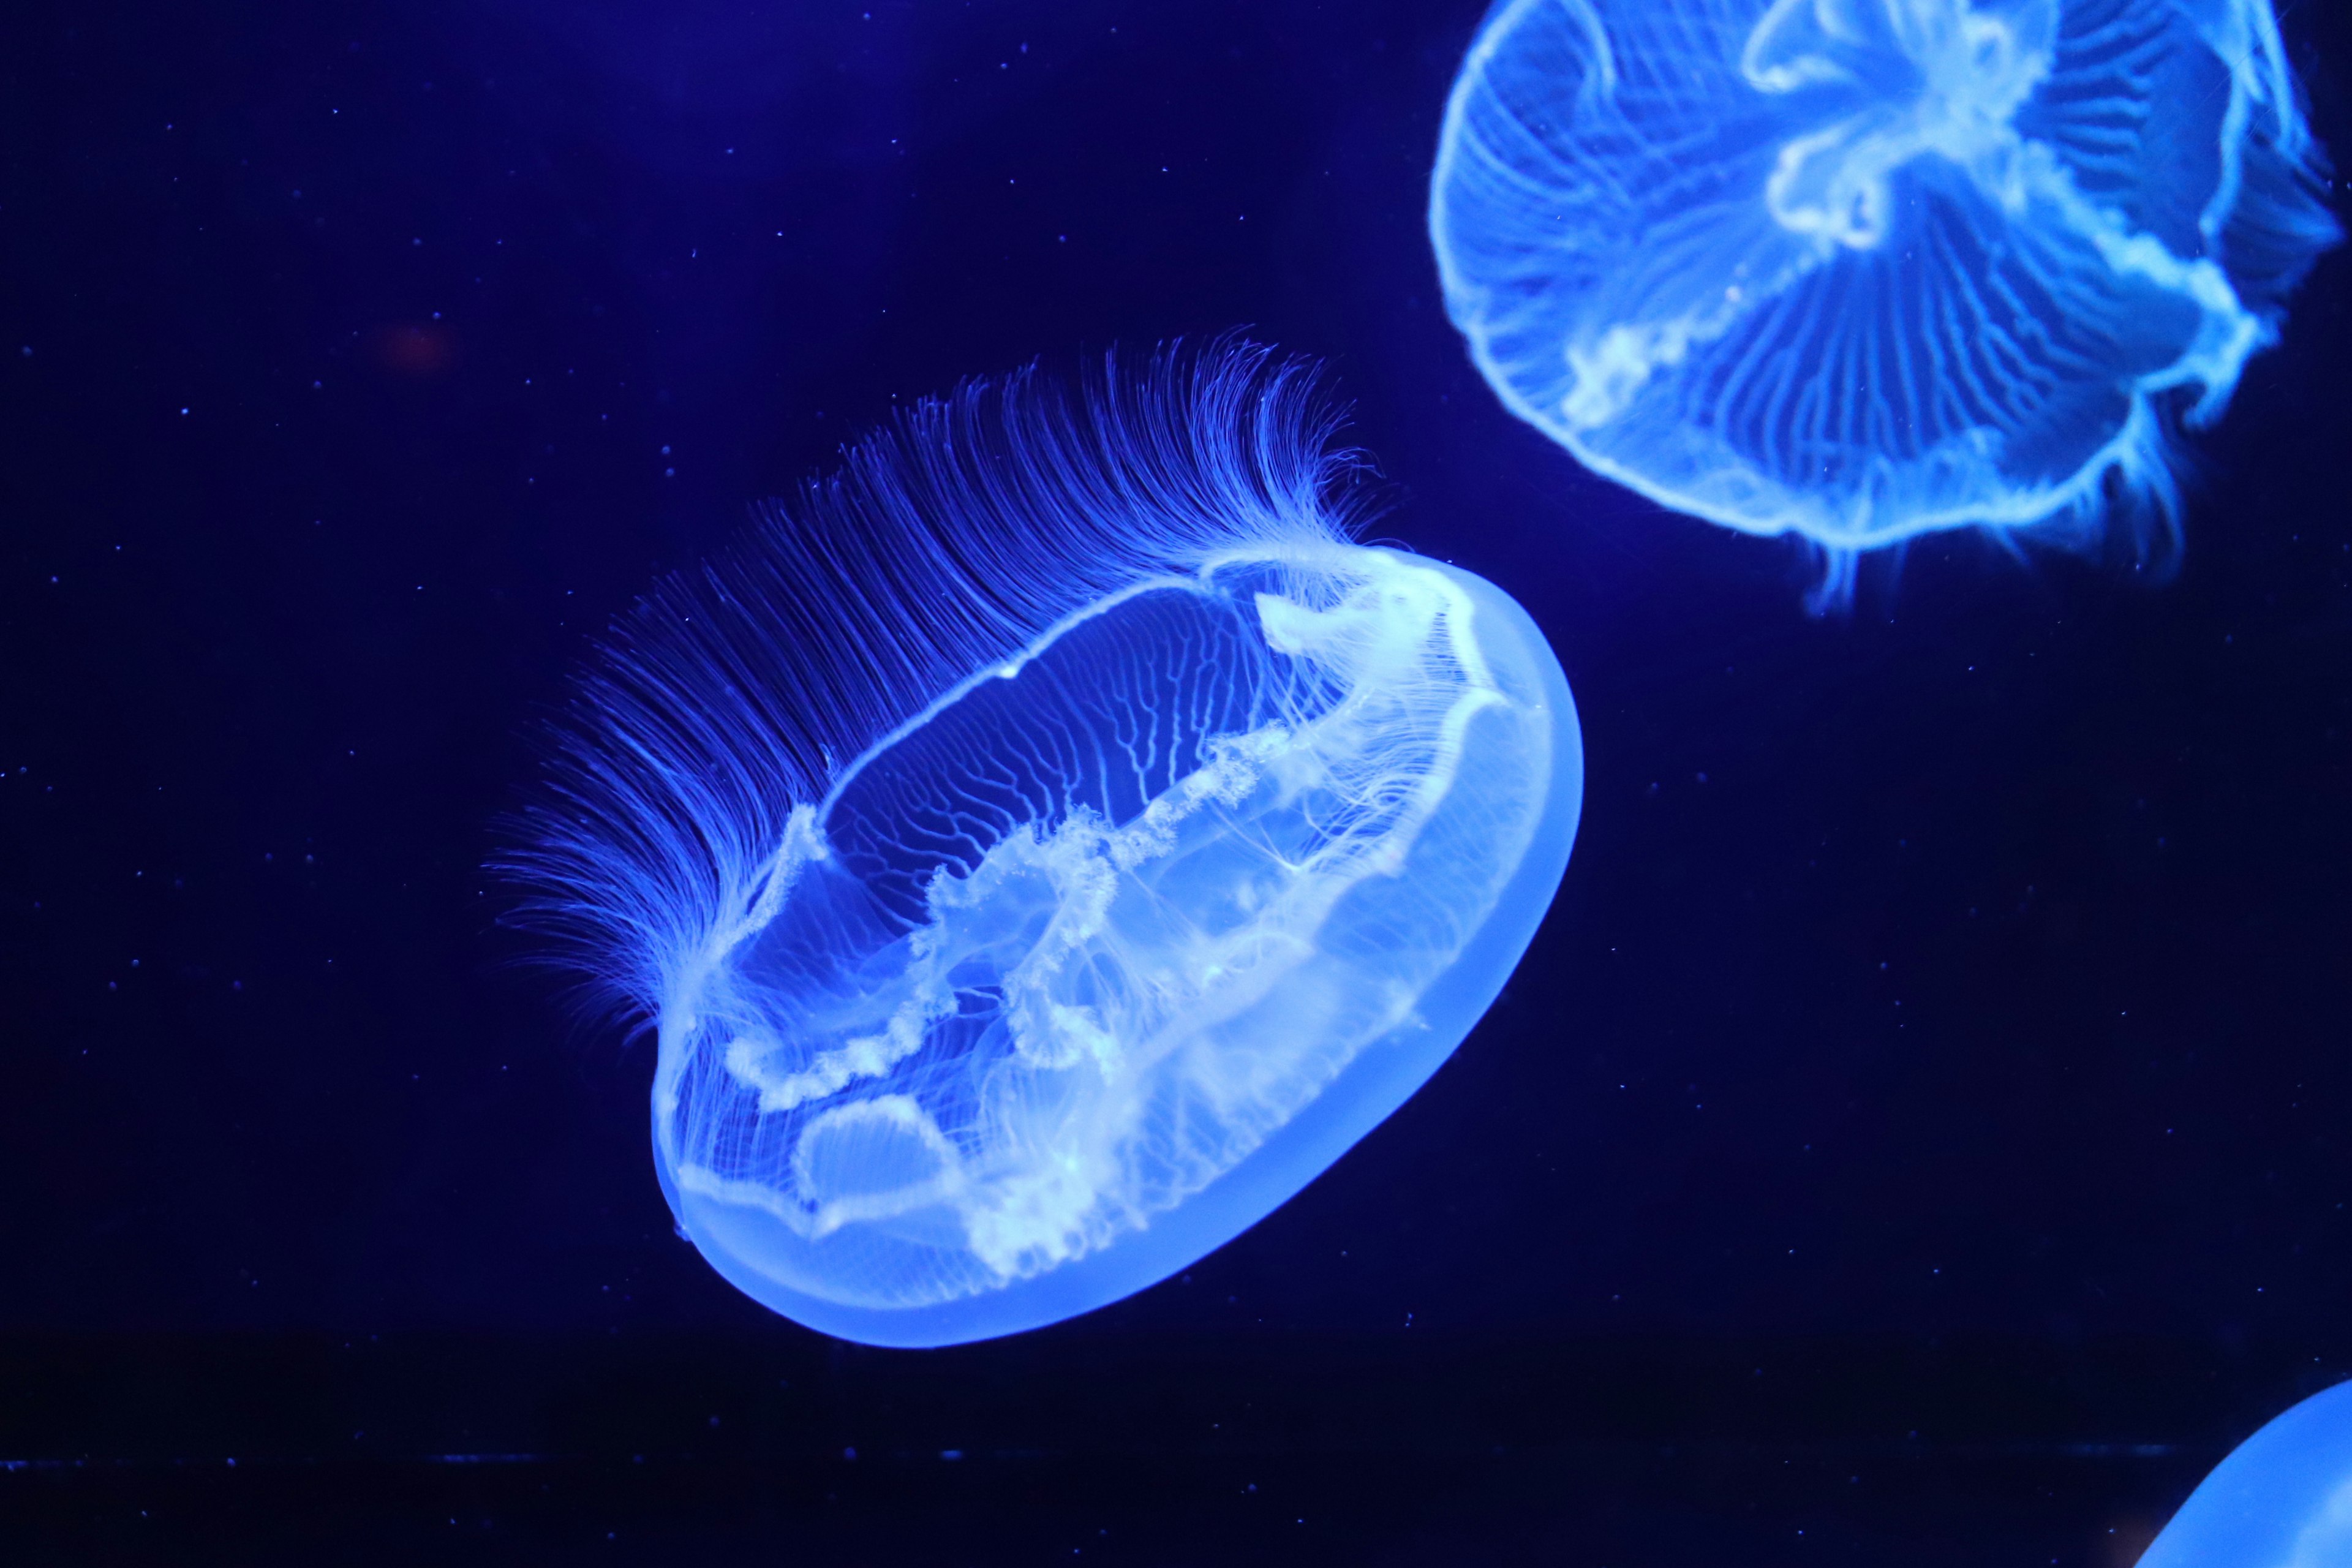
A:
x: 1183, y: 995
x: 1942, y: 78
x: 1877, y: 85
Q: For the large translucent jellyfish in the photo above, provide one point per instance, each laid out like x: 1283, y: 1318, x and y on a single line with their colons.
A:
x: 2281, y: 1499
x: 1049, y: 847
x: 1861, y: 268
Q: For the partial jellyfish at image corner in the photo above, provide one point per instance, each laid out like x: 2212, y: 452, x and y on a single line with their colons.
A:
x: 1859, y: 269
x: 2281, y: 1499
x: 1048, y: 845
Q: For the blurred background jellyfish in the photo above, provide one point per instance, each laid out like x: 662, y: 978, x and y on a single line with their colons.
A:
x: 1049, y: 846
x: 2281, y: 1499
x: 1856, y: 270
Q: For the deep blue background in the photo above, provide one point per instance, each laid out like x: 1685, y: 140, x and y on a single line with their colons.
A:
x: 1970, y: 969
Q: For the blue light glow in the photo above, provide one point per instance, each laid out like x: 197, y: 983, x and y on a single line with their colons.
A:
x: 1857, y: 269
x: 1049, y: 846
x: 2281, y: 1499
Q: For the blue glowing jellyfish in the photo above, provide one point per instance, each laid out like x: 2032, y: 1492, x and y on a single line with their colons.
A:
x: 2281, y: 1499
x: 1861, y: 268
x: 1049, y: 847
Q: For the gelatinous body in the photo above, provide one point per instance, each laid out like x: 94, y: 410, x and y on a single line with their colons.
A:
x: 1051, y: 849
x: 1860, y: 269
x: 2281, y: 1499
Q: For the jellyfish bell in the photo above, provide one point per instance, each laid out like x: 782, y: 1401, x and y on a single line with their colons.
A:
x: 2283, y: 1498
x: 1049, y: 848
x: 1860, y: 269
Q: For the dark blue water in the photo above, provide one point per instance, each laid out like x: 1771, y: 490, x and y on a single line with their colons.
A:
x: 1919, y: 1124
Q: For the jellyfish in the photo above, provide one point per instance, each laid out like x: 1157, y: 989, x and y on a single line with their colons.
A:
x: 1047, y: 846
x: 1857, y: 269
x: 2281, y: 1499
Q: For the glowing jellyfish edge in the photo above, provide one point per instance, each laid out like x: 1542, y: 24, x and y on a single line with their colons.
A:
x: 899, y: 608
x: 2283, y: 1498
x: 1649, y: 285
